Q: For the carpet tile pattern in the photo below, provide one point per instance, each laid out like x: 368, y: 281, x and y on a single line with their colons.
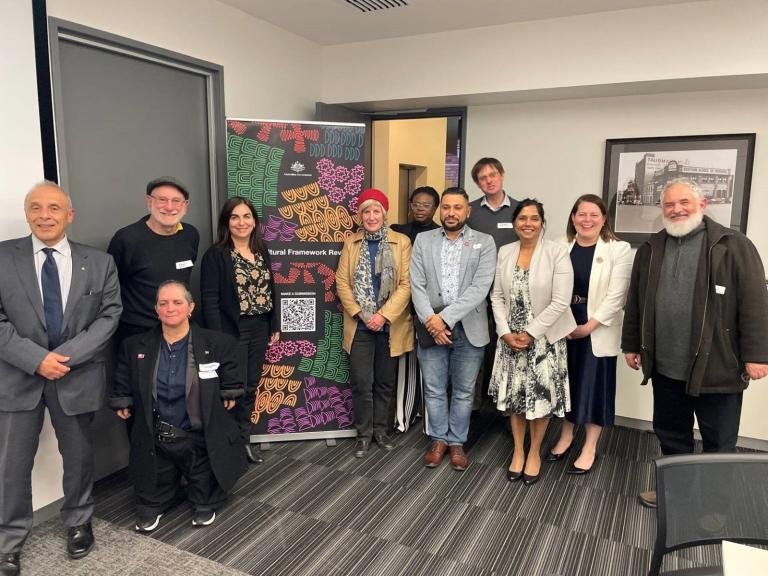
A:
x: 315, y: 510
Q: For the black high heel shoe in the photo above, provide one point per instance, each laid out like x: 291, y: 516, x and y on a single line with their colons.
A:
x: 576, y: 471
x: 528, y: 480
x: 552, y: 457
x: 514, y: 476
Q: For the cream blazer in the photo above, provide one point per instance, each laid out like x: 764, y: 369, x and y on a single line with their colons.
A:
x: 550, y: 283
x: 608, y: 283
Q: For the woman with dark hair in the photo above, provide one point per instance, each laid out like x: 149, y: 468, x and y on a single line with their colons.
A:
x: 374, y: 287
x: 423, y: 203
x: 166, y: 385
x: 237, y: 292
x: 530, y: 298
x: 602, y: 265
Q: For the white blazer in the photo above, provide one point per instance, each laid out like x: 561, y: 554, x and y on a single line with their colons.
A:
x: 550, y: 283
x: 608, y: 283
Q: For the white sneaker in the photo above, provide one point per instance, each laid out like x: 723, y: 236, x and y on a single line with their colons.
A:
x: 203, y: 517
x: 149, y: 525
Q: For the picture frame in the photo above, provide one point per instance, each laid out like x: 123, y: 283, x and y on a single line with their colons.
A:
x: 636, y: 170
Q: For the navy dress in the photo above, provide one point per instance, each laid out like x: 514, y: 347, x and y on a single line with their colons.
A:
x: 592, y: 379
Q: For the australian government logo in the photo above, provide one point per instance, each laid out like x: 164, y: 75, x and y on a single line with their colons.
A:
x: 297, y: 169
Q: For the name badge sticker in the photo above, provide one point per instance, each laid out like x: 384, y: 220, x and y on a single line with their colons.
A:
x: 719, y: 289
x: 477, y: 246
x: 207, y: 374
x: 501, y: 225
x: 184, y: 264
x: 210, y: 366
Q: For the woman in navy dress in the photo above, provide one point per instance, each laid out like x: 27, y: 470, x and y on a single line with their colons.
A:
x: 602, y: 265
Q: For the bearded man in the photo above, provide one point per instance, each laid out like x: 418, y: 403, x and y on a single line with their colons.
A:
x: 696, y: 323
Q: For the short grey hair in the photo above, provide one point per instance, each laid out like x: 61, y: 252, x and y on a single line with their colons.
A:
x: 48, y: 184
x: 184, y: 287
x: 688, y: 182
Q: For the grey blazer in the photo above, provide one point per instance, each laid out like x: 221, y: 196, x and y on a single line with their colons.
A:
x: 91, y: 316
x: 476, y: 270
x: 550, y: 284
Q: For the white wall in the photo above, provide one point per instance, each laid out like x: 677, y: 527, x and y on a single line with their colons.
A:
x: 699, y: 39
x: 555, y: 150
x: 268, y: 72
x: 21, y: 165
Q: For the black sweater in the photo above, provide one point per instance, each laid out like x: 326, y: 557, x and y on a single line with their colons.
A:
x: 144, y: 260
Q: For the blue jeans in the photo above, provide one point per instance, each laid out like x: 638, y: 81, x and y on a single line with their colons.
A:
x: 461, y: 362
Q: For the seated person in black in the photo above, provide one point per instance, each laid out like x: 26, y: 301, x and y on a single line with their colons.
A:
x: 423, y: 204
x: 177, y: 382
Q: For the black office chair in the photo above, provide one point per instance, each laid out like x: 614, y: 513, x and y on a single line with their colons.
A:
x: 708, y: 498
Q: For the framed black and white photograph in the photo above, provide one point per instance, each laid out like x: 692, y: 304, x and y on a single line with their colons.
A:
x: 637, y: 169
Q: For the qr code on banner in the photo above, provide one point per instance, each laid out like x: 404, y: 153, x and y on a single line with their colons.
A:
x: 297, y: 315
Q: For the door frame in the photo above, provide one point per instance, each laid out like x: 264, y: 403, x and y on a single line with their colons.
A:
x: 458, y: 111
x: 213, y: 74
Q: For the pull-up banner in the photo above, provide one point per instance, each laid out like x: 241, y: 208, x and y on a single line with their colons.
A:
x: 304, y: 179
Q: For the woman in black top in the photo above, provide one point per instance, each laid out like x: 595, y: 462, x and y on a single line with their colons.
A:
x: 237, y: 290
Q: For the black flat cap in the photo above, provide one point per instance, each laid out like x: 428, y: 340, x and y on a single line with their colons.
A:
x: 167, y: 181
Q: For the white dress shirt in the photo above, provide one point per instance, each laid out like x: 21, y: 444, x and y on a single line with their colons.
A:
x: 63, y: 257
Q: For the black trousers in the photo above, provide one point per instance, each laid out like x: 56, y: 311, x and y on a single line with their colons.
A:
x: 489, y: 355
x: 254, y: 339
x: 372, y: 375
x: 718, y: 416
x: 187, y: 457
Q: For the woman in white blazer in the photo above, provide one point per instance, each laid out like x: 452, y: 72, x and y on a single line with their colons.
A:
x: 530, y: 298
x: 602, y: 265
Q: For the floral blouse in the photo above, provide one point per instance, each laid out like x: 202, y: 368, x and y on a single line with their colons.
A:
x: 253, y: 285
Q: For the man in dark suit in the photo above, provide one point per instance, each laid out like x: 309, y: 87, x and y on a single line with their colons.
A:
x: 59, y: 305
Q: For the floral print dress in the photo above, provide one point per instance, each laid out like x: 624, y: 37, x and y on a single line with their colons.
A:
x: 534, y: 381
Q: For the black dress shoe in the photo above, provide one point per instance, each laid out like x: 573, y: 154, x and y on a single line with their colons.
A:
x: 253, y: 454
x: 384, y: 442
x: 552, y: 457
x: 10, y: 564
x: 79, y: 540
x: 528, y: 480
x: 361, y: 447
x: 576, y: 471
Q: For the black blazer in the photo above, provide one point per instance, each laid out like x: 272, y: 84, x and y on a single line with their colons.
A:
x: 220, y: 303
x: 132, y: 388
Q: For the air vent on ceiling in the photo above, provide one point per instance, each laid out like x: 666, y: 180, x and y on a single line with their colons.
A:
x: 375, y: 5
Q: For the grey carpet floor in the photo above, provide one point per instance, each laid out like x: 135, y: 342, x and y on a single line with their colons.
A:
x: 315, y: 510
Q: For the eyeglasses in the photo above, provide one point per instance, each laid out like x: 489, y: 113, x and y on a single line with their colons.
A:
x: 174, y: 202
x: 426, y: 205
x: 489, y: 176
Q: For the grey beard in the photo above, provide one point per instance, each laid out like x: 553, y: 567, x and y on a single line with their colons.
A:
x: 678, y: 229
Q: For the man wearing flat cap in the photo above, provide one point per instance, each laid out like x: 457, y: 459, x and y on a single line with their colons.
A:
x: 156, y: 248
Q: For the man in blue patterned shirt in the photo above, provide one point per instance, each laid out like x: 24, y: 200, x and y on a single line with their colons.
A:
x: 452, y: 269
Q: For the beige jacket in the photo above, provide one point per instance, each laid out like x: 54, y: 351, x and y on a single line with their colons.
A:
x: 550, y: 283
x: 396, y: 310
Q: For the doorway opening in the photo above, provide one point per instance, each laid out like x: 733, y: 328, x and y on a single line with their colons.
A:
x: 413, y: 149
